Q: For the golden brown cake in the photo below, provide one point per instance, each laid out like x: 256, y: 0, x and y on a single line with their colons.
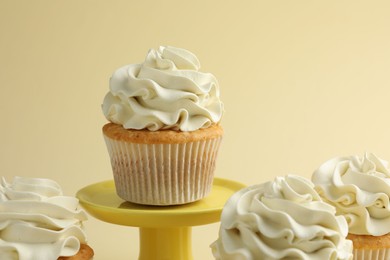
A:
x: 369, y: 242
x: 85, y: 253
x: 117, y: 132
x: 367, y: 247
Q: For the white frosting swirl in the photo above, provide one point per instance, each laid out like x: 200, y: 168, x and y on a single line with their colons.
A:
x: 167, y: 91
x: 37, y: 221
x: 359, y: 188
x: 281, y: 219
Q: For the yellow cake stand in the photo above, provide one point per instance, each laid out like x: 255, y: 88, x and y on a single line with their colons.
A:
x: 165, y: 232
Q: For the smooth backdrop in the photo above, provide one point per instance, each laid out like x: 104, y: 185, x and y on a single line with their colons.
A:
x: 302, y: 82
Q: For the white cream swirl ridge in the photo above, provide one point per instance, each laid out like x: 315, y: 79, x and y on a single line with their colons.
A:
x: 281, y: 219
x: 167, y: 91
x: 359, y: 188
x: 37, y: 221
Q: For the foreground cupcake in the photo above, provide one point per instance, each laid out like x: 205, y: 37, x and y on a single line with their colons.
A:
x: 164, y: 133
x: 38, y: 222
x: 281, y: 219
x: 359, y: 188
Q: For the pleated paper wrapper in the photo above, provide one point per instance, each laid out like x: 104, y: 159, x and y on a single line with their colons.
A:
x: 163, y: 174
x: 371, y: 254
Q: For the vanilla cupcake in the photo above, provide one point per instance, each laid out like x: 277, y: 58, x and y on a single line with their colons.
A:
x: 164, y: 131
x: 281, y: 219
x: 359, y: 188
x: 38, y: 222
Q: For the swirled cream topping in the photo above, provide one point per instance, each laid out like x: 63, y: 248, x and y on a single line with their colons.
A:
x: 359, y: 188
x: 281, y: 219
x: 37, y: 221
x: 167, y: 91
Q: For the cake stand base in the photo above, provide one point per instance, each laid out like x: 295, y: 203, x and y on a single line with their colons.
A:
x: 165, y: 243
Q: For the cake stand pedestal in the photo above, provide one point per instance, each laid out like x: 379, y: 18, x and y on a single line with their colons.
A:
x: 165, y: 231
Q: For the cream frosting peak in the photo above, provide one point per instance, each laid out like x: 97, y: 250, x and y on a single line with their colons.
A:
x: 359, y: 188
x: 169, y: 58
x: 166, y: 91
x: 37, y: 221
x: 281, y: 219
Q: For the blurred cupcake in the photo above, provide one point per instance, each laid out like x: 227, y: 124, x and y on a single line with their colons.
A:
x: 164, y: 131
x: 359, y: 188
x: 281, y: 219
x: 38, y: 222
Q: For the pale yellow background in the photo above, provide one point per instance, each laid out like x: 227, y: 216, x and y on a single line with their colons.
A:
x: 302, y: 81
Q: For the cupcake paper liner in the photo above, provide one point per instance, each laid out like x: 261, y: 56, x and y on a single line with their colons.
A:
x: 163, y: 174
x: 371, y: 254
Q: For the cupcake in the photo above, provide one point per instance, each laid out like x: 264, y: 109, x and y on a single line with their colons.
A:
x: 38, y: 222
x: 359, y: 189
x: 164, y: 128
x: 281, y: 219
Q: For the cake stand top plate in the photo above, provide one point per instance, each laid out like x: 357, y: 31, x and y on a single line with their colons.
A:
x: 101, y: 201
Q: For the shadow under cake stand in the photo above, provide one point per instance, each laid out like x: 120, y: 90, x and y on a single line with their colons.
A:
x: 164, y: 231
